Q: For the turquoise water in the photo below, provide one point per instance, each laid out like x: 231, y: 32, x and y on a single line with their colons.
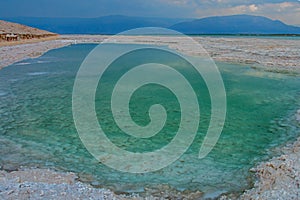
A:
x: 37, y: 128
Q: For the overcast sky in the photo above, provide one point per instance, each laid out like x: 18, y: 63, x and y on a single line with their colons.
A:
x: 286, y: 10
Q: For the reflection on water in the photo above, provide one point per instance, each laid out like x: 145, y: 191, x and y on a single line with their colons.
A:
x: 36, y: 73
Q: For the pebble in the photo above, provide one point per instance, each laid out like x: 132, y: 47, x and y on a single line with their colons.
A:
x: 10, y: 167
x: 10, y: 192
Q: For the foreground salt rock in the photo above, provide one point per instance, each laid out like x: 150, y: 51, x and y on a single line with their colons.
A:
x: 279, y: 178
x: 47, y: 184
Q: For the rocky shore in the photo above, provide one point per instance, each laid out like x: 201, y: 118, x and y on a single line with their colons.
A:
x: 279, y: 178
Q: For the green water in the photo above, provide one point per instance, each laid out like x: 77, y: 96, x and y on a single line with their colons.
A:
x: 37, y: 128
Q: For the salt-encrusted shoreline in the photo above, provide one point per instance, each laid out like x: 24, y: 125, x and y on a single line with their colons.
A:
x: 278, y: 55
x: 277, y: 178
x: 47, y: 184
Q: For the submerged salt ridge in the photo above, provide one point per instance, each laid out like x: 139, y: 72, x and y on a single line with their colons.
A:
x: 38, y: 122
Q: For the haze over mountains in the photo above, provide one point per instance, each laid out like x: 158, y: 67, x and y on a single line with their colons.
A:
x: 102, y: 25
x: 235, y: 24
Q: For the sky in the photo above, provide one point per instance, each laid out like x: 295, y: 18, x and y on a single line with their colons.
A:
x: 287, y: 11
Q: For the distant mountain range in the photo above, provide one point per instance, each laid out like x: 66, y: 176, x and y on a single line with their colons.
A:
x: 234, y: 24
x: 102, y: 25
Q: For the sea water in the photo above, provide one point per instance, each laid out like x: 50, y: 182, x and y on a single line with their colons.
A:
x: 37, y: 127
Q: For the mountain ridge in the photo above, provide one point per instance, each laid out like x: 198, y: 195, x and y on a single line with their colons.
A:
x: 235, y: 24
x: 113, y: 24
